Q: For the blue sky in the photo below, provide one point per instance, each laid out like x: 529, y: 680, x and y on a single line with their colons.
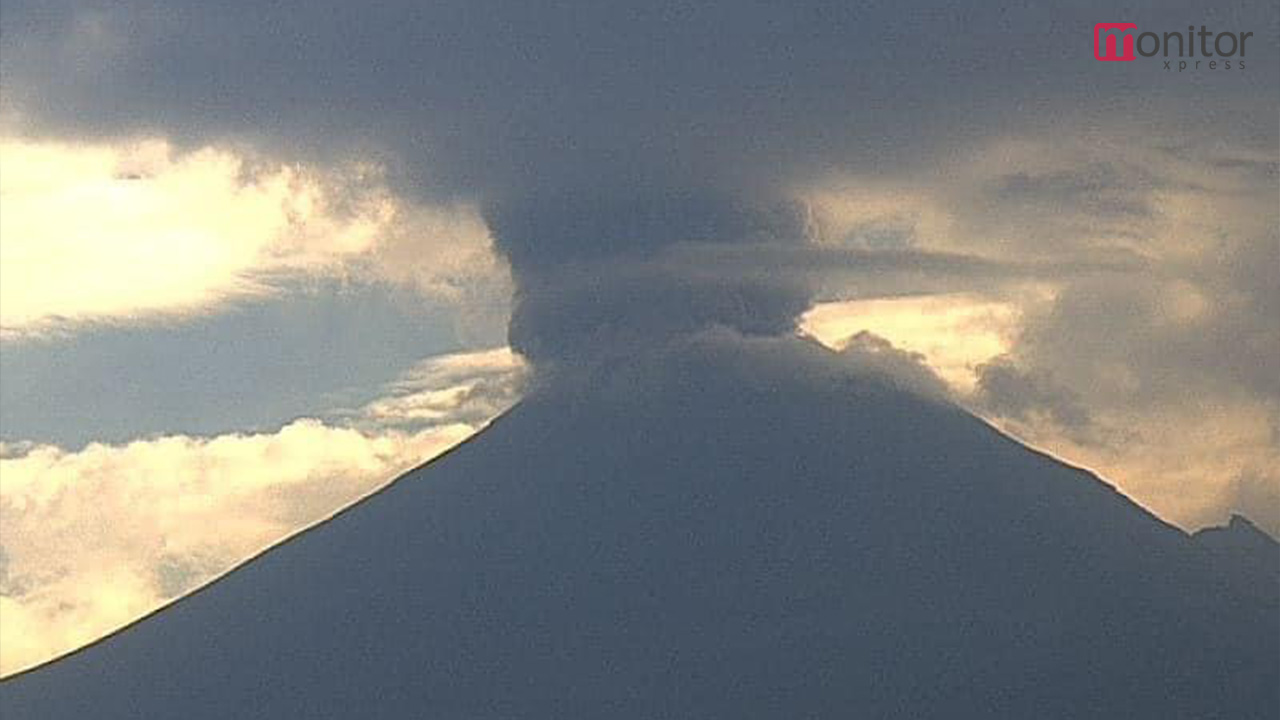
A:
x: 252, y: 366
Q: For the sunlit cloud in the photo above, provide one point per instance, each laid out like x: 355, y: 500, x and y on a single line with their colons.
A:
x: 469, y: 387
x: 130, y: 232
x: 1193, y: 462
x: 95, y: 538
x: 1158, y: 374
x: 955, y: 332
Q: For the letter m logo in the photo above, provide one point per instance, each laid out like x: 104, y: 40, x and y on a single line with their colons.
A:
x: 1113, y: 41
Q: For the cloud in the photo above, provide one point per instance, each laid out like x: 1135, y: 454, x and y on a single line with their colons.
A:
x: 956, y: 333
x: 1155, y: 371
x: 590, y: 131
x: 95, y: 538
x: 137, y: 231
x: 869, y: 354
x: 1007, y: 391
x: 465, y: 387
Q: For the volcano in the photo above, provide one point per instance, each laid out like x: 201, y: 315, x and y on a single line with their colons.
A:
x: 727, y: 528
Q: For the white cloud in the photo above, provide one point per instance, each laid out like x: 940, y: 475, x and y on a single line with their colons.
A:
x: 138, y: 231
x: 95, y: 538
x: 467, y: 386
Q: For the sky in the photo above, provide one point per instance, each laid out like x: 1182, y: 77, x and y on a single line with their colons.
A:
x: 255, y: 261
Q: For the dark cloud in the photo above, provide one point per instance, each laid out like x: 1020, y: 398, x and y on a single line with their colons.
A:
x: 604, y: 128
x: 1206, y: 331
x: 871, y: 354
x: 1101, y: 190
x: 1007, y: 391
x: 932, y: 270
x: 601, y: 279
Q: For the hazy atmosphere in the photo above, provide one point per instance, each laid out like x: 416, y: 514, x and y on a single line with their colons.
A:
x: 257, y: 260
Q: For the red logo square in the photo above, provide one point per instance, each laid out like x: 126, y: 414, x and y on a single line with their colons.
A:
x: 1114, y: 41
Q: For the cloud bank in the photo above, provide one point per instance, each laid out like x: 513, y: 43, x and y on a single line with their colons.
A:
x: 138, y: 231
x: 1157, y: 371
x: 98, y: 537
x: 605, y: 133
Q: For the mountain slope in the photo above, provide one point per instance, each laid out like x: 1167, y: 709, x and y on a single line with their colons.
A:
x: 729, y: 529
